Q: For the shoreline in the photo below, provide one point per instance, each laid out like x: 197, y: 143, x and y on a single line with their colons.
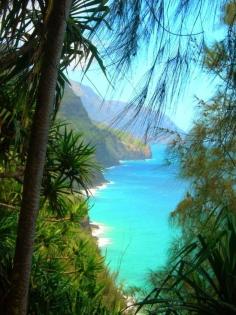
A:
x: 92, y: 191
x: 98, y: 231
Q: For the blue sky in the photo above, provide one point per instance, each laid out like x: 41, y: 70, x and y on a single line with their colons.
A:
x: 184, y: 111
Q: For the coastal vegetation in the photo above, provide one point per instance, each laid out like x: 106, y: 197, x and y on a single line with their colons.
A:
x: 200, y: 275
x: 126, y: 138
x: 49, y: 262
x: 68, y: 274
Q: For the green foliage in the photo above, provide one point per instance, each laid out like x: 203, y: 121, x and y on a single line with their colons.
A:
x: 70, y: 166
x: 68, y: 272
x: 207, y: 160
x: 201, y: 278
x: 25, y: 43
x: 200, y: 275
x: 229, y: 14
x: 207, y: 155
x: 126, y: 138
x: 23, y: 33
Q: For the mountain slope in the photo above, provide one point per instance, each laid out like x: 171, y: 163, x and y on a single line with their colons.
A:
x: 112, y: 113
x: 109, y: 147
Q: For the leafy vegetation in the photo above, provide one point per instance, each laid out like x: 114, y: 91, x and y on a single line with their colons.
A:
x: 200, y: 275
x: 68, y: 272
x: 39, y: 40
x: 126, y: 138
x: 201, y: 278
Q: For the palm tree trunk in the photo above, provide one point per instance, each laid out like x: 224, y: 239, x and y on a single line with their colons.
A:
x: 16, y: 301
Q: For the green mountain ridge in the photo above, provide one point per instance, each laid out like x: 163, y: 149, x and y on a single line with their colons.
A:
x: 118, y: 113
x: 111, y: 145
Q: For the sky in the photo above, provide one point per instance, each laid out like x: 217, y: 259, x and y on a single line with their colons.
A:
x: 183, y: 112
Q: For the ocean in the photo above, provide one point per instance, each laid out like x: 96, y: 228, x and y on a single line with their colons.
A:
x: 133, y: 210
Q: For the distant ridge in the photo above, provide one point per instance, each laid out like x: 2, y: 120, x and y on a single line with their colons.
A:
x: 111, y: 112
x: 111, y: 147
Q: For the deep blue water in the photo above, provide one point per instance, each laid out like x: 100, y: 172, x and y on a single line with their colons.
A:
x: 135, y: 207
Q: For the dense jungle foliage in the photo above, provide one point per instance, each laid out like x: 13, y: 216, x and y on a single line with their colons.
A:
x: 68, y: 275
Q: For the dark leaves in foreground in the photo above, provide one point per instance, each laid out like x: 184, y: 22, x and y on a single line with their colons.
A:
x: 203, y: 276
x: 70, y: 167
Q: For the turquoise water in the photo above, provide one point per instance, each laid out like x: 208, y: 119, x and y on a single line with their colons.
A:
x: 134, y: 207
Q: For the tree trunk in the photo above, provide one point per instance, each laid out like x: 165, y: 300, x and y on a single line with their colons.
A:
x: 17, y: 299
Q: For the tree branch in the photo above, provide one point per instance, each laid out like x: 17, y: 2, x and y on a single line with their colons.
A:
x: 5, y: 205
